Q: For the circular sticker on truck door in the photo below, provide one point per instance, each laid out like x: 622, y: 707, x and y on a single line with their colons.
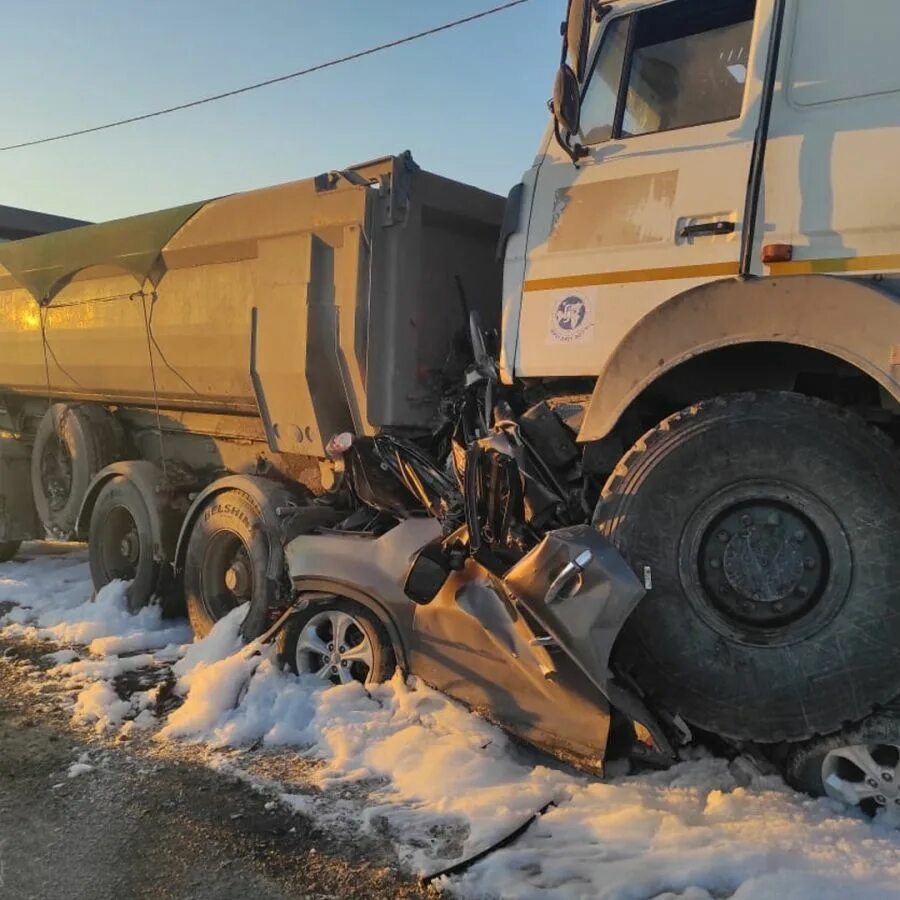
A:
x: 570, y: 319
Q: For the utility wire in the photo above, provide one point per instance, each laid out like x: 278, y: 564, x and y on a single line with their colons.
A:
x: 269, y: 81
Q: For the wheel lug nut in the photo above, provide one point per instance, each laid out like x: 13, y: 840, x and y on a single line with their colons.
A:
x: 809, y: 563
x: 344, y: 663
x: 879, y: 798
x: 774, y: 519
x: 886, y: 776
x: 331, y: 647
x: 746, y: 521
x: 871, y: 782
x: 334, y: 669
x: 724, y: 536
x: 342, y: 649
x: 799, y: 535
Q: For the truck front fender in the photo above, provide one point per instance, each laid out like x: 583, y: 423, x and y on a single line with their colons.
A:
x: 851, y: 319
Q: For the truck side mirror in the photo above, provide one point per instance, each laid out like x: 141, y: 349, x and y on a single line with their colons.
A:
x: 566, y: 103
x: 566, y: 108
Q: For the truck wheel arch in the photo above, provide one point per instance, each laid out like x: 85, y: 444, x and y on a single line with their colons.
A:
x: 849, y: 319
x: 265, y: 494
x: 147, y: 477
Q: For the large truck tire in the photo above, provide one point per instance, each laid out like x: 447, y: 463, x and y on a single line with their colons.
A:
x: 120, y: 542
x: 227, y: 563
x: 768, y: 529
x: 72, y: 444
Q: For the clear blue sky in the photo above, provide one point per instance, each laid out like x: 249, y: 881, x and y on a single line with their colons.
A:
x: 469, y: 103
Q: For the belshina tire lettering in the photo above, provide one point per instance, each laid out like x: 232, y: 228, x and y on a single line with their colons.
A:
x: 798, y: 483
x: 230, y: 510
x: 226, y: 564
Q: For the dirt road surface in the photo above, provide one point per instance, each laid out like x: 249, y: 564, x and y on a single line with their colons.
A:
x: 142, y: 827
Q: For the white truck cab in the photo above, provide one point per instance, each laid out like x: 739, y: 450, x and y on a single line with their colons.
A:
x: 673, y: 97
x: 701, y: 277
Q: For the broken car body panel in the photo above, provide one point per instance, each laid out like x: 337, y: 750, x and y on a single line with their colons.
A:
x: 475, y: 641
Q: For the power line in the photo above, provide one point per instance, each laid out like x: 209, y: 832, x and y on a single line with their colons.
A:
x: 269, y: 81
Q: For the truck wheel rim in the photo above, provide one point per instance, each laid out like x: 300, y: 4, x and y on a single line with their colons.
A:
x: 765, y: 563
x: 226, y: 574
x: 334, y: 646
x: 867, y: 777
x: 56, y: 474
x: 119, y: 544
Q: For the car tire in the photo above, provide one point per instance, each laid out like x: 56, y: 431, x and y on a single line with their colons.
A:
x: 859, y: 766
x: 373, y: 661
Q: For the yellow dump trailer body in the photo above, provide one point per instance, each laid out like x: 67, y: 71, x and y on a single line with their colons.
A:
x: 310, y: 307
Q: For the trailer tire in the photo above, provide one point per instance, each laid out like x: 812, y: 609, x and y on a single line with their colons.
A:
x: 226, y: 564
x: 72, y: 444
x: 120, y: 542
x: 769, y: 527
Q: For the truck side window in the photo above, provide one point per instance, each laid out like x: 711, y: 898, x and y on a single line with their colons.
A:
x: 598, y: 110
x: 688, y: 65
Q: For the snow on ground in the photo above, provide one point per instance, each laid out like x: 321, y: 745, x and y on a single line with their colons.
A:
x: 439, y: 781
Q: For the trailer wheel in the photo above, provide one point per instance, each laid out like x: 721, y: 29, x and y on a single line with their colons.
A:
x: 769, y: 527
x: 338, y: 641
x: 120, y: 542
x: 226, y: 564
x: 72, y: 444
x: 8, y: 550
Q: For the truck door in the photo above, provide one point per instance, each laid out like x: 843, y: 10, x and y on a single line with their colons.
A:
x: 669, y: 113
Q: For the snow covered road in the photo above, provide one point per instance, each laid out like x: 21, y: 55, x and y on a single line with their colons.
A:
x: 404, y: 763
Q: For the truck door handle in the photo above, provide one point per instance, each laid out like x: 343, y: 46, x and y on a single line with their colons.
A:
x: 707, y: 229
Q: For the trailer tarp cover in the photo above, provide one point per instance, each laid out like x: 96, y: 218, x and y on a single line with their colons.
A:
x: 44, y: 264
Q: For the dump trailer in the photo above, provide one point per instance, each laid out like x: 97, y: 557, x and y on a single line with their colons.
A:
x: 696, y: 289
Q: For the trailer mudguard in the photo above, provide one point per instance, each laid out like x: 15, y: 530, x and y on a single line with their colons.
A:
x: 161, y: 504
x: 268, y: 496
